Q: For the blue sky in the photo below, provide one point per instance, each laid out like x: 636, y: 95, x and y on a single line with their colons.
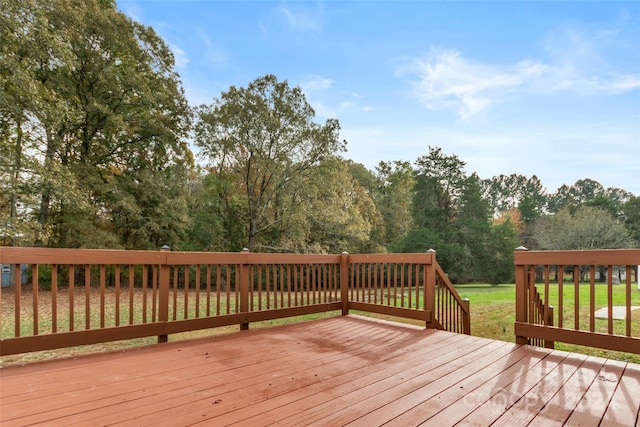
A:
x: 536, y: 88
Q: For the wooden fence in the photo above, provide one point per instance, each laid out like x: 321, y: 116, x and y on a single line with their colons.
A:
x: 558, y: 294
x: 78, y: 296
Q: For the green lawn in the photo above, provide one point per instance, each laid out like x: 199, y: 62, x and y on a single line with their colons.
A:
x: 493, y: 313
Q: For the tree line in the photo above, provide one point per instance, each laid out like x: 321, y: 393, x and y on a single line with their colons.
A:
x: 95, y: 135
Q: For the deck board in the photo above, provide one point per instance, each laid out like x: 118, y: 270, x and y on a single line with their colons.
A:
x: 337, y: 371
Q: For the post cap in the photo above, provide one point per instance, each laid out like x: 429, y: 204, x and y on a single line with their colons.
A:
x: 521, y: 248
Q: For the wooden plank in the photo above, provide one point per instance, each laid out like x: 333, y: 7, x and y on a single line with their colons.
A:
x: 407, y: 313
x: 462, y: 391
x: 489, y: 389
x: 503, y: 398
x: 624, y: 408
x: 334, y: 371
x: 305, y: 406
x: 191, y: 258
x: 13, y: 255
x: 175, y: 368
x: 595, y: 400
x: 559, y: 408
x: 416, y: 258
x: 523, y: 411
x: 383, y: 406
x: 76, y: 338
x: 590, y: 339
x: 254, y: 384
x: 36, y: 370
x: 279, y: 259
x: 588, y: 257
x: 263, y: 407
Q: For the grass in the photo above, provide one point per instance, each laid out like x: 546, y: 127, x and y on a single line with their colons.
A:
x: 493, y: 313
x: 492, y: 316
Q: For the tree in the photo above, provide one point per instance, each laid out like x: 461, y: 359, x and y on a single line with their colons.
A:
x: 393, y: 197
x: 508, y: 192
x: 586, y: 228
x: 94, y: 112
x: 341, y: 215
x: 588, y: 192
x: 216, y: 213
x: 439, y: 182
x: 473, y: 230
x: 265, y: 135
x: 632, y: 219
x: 488, y: 249
x: 502, y: 241
x: 22, y: 51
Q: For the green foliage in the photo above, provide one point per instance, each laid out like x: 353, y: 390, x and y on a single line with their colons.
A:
x: 93, y: 121
x: 588, y: 192
x: 632, y: 219
x: 265, y: 137
x: 507, y: 192
x: 421, y: 239
x: 342, y: 215
x: 452, y: 217
x: 585, y: 228
x: 93, y: 153
x: 498, y: 268
x: 393, y: 197
x: 439, y: 183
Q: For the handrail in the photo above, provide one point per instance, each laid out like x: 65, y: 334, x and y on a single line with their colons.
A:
x: 452, y: 310
x: 106, y: 295
x: 540, y: 312
x: 538, y: 323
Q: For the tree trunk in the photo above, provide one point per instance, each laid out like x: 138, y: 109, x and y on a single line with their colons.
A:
x: 253, y: 227
x: 15, y: 178
x: 45, y: 200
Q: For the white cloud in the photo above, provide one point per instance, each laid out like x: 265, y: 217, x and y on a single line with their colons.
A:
x: 347, y: 104
x: 325, y: 111
x: 446, y: 80
x: 212, y: 54
x: 299, y: 20
x: 328, y: 102
x: 314, y: 83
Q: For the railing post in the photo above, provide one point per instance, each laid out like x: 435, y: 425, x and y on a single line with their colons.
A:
x: 244, y: 289
x: 549, y: 322
x: 466, y: 325
x: 429, y: 292
x: 521, y: 296
x: 344, y: 282
x: 163, y: 297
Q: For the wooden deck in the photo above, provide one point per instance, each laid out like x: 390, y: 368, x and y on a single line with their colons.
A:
x: 331, y: 372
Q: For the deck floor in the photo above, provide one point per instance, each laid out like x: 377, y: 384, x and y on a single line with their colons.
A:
x: 331, y: 372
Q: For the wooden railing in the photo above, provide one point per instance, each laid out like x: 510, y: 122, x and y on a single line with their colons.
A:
x: 76, y: 297
x: 452, y: 311
x: 395, y: 285
x: 559, y: 292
